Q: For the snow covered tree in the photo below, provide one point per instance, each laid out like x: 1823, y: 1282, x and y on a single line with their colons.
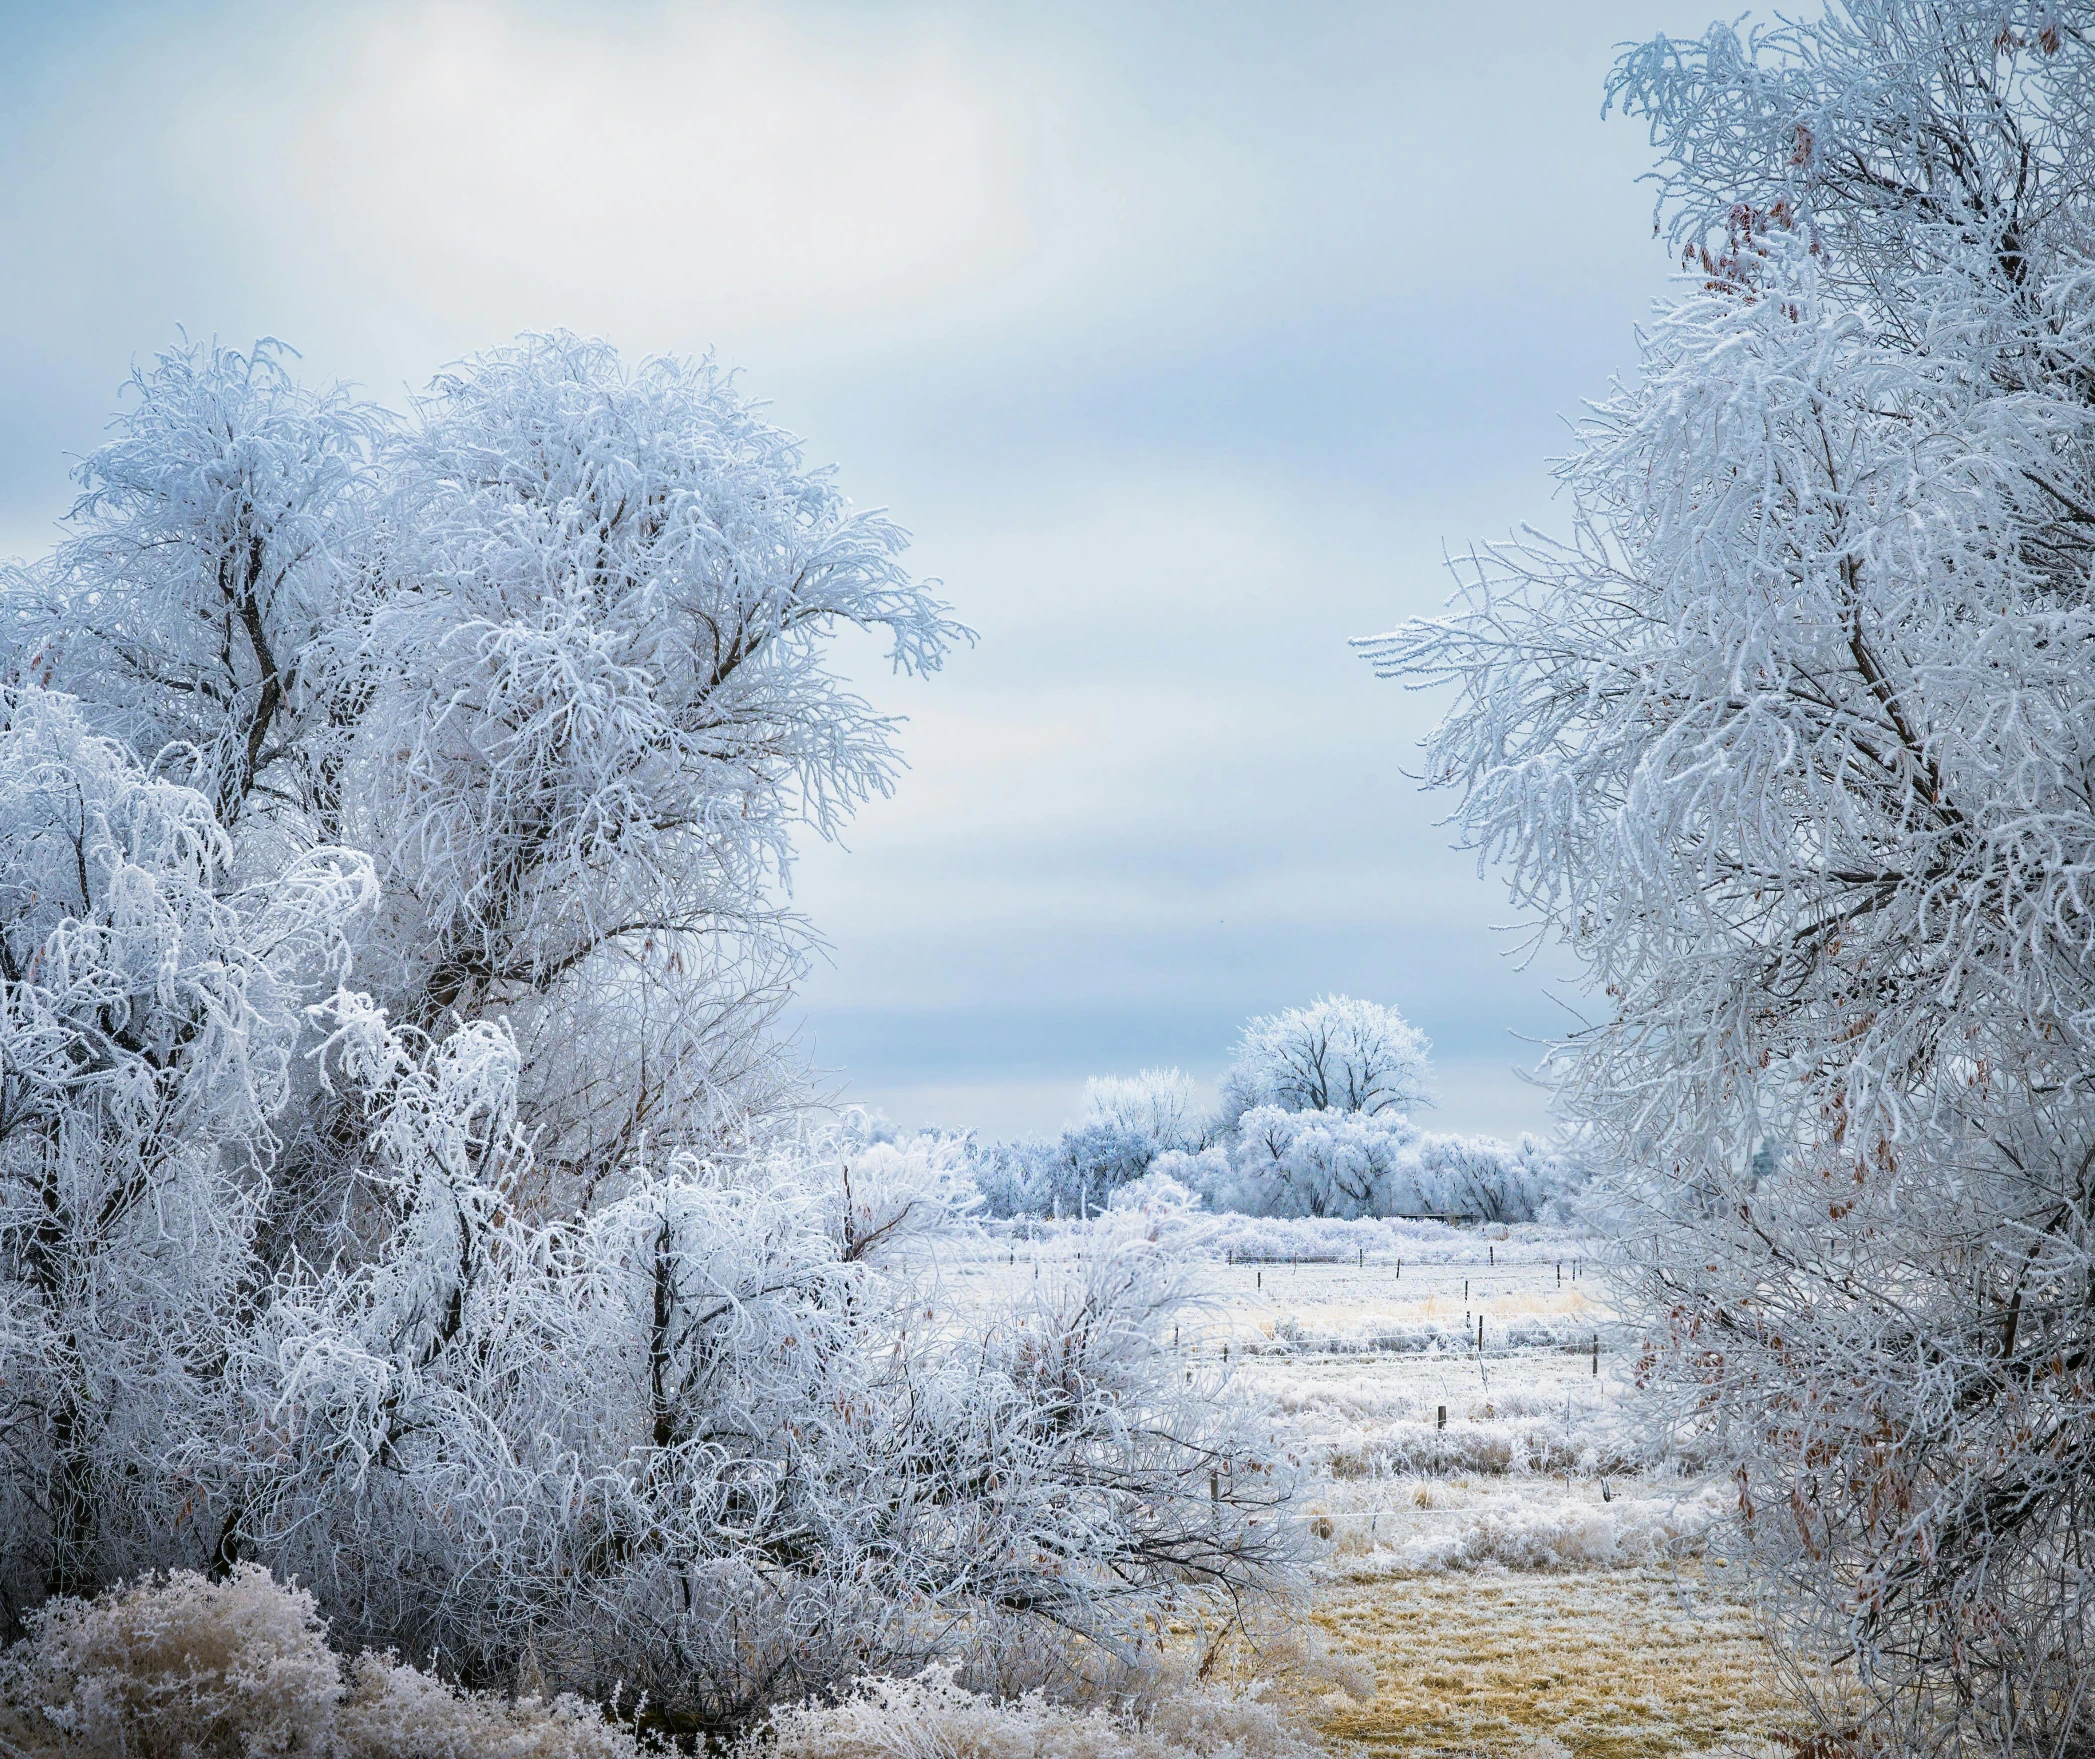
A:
x: 1314, y: 1124
x: 216, y: 543
x: 554, y: 653
x: 1162, y: 1106
x: 1128, y: 1121
x: 1351, y: 1164
x: 399, y: 1187
x: 149, y: 1021
x: 1337, y: 1054
x: 1335, y: 1163
x: 600, y: 702
x: 1791, y: 740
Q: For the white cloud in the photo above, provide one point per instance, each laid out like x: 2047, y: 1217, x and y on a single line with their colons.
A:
x: 683, y: 174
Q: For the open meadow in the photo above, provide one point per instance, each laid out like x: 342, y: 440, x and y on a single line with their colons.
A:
x: 1524, y: 1570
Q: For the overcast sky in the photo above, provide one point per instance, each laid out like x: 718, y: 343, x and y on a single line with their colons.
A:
x: 1185, y: 338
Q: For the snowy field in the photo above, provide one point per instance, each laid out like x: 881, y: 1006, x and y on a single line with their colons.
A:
x: 1524, y: 1571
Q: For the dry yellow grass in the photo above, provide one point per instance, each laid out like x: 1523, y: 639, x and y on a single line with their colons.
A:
x: 1571, y: 1641
x: 1613, y: 1664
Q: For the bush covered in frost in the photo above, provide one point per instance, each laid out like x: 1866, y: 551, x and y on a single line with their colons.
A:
x: 932, y: 1717
x: 182, y: 1667
x: 187, y: 1668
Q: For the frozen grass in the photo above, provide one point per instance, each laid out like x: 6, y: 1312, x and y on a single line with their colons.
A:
x: 1401, y: 1527
x: 1183, y: 1712
x: 1605, y: 1664
x: 1268, y: 1240
x: 1535, y: 1579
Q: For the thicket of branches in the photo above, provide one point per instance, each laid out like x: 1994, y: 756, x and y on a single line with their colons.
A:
x: 1793, y: 740
x: 399, y: 1186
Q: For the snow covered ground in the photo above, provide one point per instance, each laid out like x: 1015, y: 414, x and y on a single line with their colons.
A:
x: 1527, y: 1572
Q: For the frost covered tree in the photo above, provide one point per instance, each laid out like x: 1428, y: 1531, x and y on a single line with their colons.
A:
x: 399, y: 1187
x: 1283, y: 1154
x: 1337, y: 1055
x: 1352, y: 1164
x: 1319, y: 1163
x: 215, y: 545
x: 150, y: 1016
x: 601, y: 701
x: 1791, y: 740
x: 1128, y: 1121
x: 724, y: 1442
x: 1162, y: 1106
x: 554, y: 653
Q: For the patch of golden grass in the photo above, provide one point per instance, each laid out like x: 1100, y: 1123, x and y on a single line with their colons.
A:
x: 1611, y: 1664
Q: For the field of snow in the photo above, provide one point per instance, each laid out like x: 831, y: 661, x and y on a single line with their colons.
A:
x: 1524, y: 1571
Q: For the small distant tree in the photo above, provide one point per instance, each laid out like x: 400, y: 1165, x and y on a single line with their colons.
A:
x: 1351, y: 1164
x: 1163, y: 1106
x: 1093, y: 1161
x: 1335, y: 1055
x: 1320, y: 1163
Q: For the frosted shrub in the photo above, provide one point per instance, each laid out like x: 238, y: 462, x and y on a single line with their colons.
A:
x: 1205, y: 1175
x: 186, y: 1668
x: 1333, y: 1240
x: 393, y: 1711
x: 931, y: 1717
x: 1015, y: 1179
x: 178, y: 1667
x: 719, y: 1442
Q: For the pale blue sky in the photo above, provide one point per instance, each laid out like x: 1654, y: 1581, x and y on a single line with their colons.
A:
x: 1184, y: 337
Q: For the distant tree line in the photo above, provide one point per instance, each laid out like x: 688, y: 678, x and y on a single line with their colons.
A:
x: 1314, y: 1119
